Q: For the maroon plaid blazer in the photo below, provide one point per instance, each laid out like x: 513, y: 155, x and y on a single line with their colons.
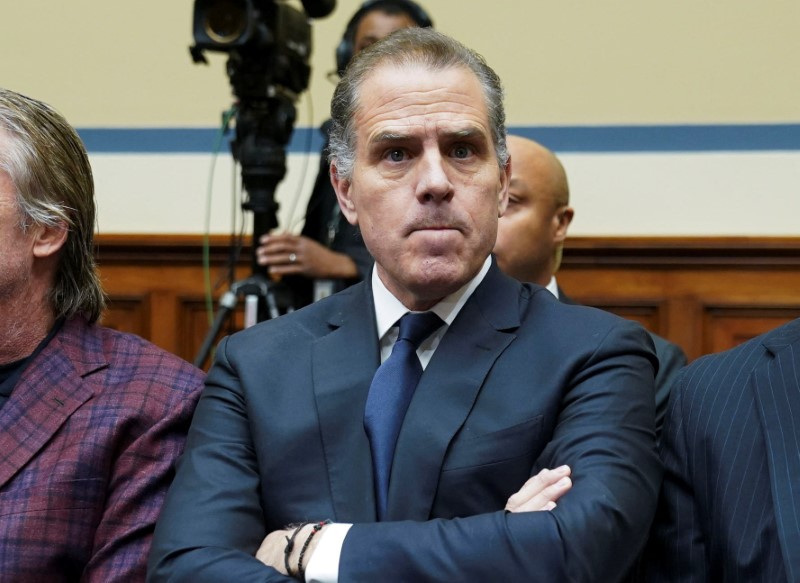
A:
x: 88, y: 442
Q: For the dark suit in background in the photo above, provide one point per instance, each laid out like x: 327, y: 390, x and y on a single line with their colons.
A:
x: 730, y: 506
x: 87, y: 445
x: 519, y: 382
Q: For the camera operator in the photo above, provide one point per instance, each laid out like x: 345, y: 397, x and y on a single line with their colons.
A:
x: 329, y: 255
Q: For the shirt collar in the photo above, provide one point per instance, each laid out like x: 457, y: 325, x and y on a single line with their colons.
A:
x: 388, y: 309
x: 552, y: 287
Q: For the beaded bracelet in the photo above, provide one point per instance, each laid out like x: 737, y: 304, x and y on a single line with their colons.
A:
x: 301, y: 572
x: 290, y: 546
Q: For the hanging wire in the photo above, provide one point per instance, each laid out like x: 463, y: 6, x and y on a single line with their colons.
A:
x: 291, y: 222
x: 226, y: 119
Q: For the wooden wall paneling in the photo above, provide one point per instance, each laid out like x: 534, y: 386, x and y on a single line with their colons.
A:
x: 728, y: 326
x: 685, y: 276
x: 729, y: 303
x: 168, y: 271
x: 705, y: 294
x: 684, y: 324
x: 194, y: 326
x: 128, y: 313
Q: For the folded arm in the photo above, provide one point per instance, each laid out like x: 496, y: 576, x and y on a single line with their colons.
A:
x: 605, y: 434
x: 280, y: 551
x: 213, y: 522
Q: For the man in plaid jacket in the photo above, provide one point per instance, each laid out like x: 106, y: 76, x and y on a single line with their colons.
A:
x: 91, y: 420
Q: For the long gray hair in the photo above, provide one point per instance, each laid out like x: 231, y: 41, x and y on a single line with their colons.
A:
x: 46, y: 162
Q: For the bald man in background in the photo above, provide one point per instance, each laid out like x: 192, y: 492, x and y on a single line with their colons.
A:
x: 531, y: 236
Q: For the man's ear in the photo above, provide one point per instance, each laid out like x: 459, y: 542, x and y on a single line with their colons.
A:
x: 563, y: 218
x: 48, y: 240
x: 343, y: 189
x: 502, y: 195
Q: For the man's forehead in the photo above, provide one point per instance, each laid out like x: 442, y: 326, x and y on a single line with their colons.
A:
x: 404, y: 99
x: 418, y: 81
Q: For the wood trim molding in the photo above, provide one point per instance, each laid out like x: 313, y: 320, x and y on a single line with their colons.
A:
x: 158, y: 249
x: 684, y: 252
x: 651, y: 252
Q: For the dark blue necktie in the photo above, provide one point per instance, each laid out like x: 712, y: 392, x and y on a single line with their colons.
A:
x: 390, y: 394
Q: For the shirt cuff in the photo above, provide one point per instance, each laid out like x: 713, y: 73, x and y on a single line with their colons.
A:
x: 324, y: 564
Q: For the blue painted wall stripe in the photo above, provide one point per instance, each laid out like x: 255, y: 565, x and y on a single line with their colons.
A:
x: 655, y: 138
x: 666, y: 138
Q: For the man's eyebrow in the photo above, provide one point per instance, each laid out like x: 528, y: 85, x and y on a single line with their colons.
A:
x: 451, y: 135
x: 388, y: 137
x: 465, y: 134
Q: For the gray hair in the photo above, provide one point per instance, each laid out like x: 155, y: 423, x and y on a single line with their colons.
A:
x: 47, y: 163
x: 410, y: 46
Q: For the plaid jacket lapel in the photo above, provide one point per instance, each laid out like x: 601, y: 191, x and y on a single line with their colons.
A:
x: 48, y: 392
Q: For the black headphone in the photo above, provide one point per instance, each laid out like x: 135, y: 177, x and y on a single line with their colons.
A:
x: 345, y: 50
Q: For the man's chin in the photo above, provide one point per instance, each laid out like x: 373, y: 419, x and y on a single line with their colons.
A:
x: 426, y: 279
x: 440, y: 276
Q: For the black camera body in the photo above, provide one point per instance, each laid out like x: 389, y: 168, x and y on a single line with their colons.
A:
x: 269, y: 47
x: 269, y: 44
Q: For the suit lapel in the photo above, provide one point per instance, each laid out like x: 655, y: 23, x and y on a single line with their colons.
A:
x: 777, y: 392
x: 344, y: 362
x: 48, y: 392
x: 447, y: 392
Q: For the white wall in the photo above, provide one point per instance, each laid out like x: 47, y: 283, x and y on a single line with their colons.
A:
x: 113, y: 64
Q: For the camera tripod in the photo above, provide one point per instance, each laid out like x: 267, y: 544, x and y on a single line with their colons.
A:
x: 263, y: 128
x: 259, y: 293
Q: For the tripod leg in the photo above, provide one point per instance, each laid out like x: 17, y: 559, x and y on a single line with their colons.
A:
x: 250, y: 310
x: 226, y: 305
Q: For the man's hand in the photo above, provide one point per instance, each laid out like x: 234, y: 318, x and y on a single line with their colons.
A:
x: 541, y: 491
x: 272, y: 549
x: 287, y: 254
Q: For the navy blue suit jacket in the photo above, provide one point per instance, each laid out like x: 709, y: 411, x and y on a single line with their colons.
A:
x: 519, y: 382
x: 671, y: 359
x: 730, y: 506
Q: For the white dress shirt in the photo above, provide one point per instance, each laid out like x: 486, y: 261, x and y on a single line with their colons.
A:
x: 324, y: 564
x: 552, y: 287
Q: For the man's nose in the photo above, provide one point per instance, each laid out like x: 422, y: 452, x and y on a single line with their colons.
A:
x: 433, y: 180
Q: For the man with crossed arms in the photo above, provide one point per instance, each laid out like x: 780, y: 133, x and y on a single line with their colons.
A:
x: 293, y: 424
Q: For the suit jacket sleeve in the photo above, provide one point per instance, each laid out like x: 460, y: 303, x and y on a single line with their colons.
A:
x: 605, y: 432
x: 671, y: 360
x: 138, y: 483
x: 210, y: 528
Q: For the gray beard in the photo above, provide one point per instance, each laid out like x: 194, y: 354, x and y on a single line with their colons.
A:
x: 24, y: 321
